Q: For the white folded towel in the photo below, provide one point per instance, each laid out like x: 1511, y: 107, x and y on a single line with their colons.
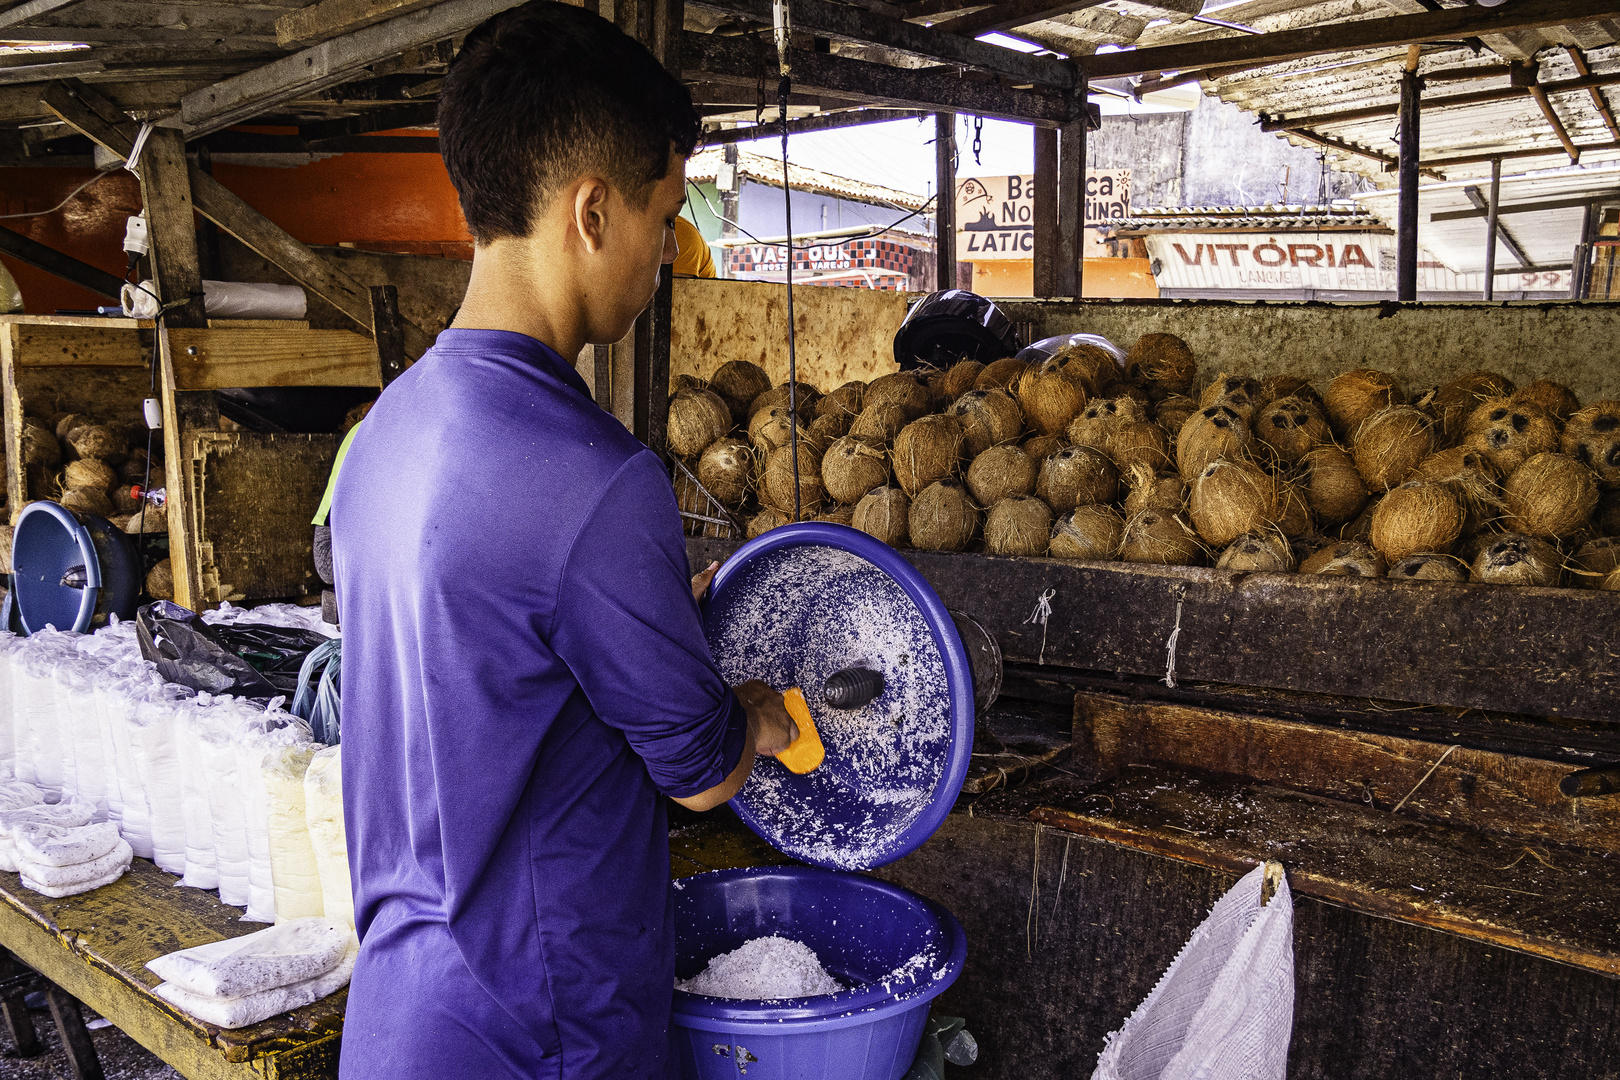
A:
x: 56, y: 877
x: 237, y: 1012
x: 290, y: 952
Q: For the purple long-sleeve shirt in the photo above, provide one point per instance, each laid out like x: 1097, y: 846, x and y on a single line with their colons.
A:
x: 524, y: 671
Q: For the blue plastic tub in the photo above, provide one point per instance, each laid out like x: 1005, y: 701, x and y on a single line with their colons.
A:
x: 895, y: 950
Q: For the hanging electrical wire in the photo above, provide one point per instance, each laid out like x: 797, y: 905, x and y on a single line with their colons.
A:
x: 781, y: 21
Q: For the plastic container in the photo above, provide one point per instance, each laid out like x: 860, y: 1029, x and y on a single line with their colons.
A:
x: 72, y: 573
x: 896, y: 950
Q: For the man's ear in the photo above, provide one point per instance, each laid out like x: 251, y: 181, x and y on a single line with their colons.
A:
x: 590, y: 212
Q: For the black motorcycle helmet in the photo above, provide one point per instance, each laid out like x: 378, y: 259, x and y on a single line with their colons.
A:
x: 953, y: 325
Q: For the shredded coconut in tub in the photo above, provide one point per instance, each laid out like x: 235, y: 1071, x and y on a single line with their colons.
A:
x: 766, y: 968
x: 792, y: 619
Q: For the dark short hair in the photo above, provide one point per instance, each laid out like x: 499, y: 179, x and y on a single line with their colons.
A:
x: 542, y: 93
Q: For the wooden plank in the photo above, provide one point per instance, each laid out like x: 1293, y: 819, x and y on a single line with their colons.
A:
x: 16, y: 477
x: 183, y: 413
x: 52, y: 345
x: 258, y: 324
x: 217, y: 359
x: 1446, y: 24
x: 32, y: 9
x: 329, y: 18
x: 1010, y: 14
x: 98, y: 322
x: 166, y: 192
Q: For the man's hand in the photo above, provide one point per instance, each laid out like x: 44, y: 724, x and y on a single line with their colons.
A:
x: 701, y: 580
x: 768, y: 719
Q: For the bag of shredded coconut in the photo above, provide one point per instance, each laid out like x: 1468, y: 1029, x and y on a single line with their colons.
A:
x: 82, y: 773
x: 209, y: 731
x: 323, y: 809
x: 9, y: 644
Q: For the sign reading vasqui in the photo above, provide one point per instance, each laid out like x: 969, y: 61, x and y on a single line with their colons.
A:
x: 995, y: 215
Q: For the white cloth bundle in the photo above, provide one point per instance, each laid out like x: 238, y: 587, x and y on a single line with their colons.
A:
x: 240, y: 981
x: 68, y: 813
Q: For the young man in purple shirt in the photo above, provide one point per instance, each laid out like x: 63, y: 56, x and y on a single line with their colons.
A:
x: 525, y: 674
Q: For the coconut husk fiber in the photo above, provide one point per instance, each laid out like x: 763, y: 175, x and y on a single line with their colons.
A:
x: 1456, y: 401
x: 1230, y: 498
x: 148, y: 520
x: 844, y: 401
x: 1210, y: 433
x: 850, y: 468
x: 927, y: 451
x: 1258, y: 552
x: 739, y: 382
x: 1551, y: 496
x: 124, y: 503
x: 1510, y: 434
x: 1157, y: 536
x: 1087, y: 532
x: 1595, y: 561
x: 776, y: 491
x: 1018, y: 525
x: 1003, y: 374
x: 39, y: 447
x: 900, y: 389
x: 1077, y: 476
x: 1049, y: 402
x: 1088, y: 366
x: 877, y: 425
x: 88, y: 473
x: 1277, y: 387
x: 1357, y: 395
x: 160, y: 581
x: 1516, y: 559
x: 1347, y: 558
x: 726, y: 469
x: 1556, y: 398
x: 1154, y: 491
x: 1162, y: 361
x: 1294, y: 517
x: 1097, y: 420
x: 764, y: 521
x: 689, y: 496
x: 999, y: 472
x: 1592, y: 437
x: 71, y: 422
x: 825, y: 430
x: 1607, y: 517
x: 838, y: 515
x: 696, y: 419
x: 132, y: 469
x: 988, y: 418
x: 87, y: 501
x: 1388, y: 445
x: 1172, y: 412
x: 1119, y: 388
x: 884, y: 513
x: 960, y: 378
x: 1139, y: 442
x: 1416, y: 517
x: 677, y: 383
x: 942, y: 517
x: 99, y: 442
x: 808, y: 397
x: 1041, y: 447
x: 1289, y: 428
x: 770, y: 428
x: 1240, y: 393
x: 1429, y: 566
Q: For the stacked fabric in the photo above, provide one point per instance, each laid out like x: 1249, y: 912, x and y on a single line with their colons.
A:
x: 240, y: 981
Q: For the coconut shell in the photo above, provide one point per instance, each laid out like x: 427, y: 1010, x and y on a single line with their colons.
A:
x: 1294, y: 516
x: 883, y: 512
x: 1510, y: 434
x: 1592, y: 437
x: 96, y: 441
x: 1332, y: 486
x: 1077, y: 476
x: 1607, y: 517
x: 149, y: 520
x: 1289, y: 428
x: 71, y: 422
x: 825, y: 430
x: 1556, y: 398
x: 1211, y: 433
x: 1162, y: 361
x: 999, y: 472
x: 1456, y: 401
x: 696, y: 419
x: 942, y: 517
x: 1139, y: 442
x: 160, y: 581
x: 133, y: 468
x: 844, y: 401
x: 1049, y: 402
x: 1551, y: 496
x: 1230, y: 498
x: 1165, y: 491
x: 777, y: 489
x: 1089, y: 367
x: 1516, y: 559
x: 769, y: 429
x: 677, y: 383
x: 1240, y: 393
x: 1389, y: 445
x: 1156, y: 536
x: 87, y: 501
x: 1042, y: 447
x: 1018, y: 525
x: 1258, y: 552
x: 1429, y: 566
x: 900, y: 389
x: 1097, y: 420
x: 1595, y: 561
x: 927, y: 451
x: 1277, y: 387
x: 1087, y: 532
x: 960, y: 378
x: 1359, y: 528
x: 1172, y: 412
x: 877, y: 425
x: 1357, y: 395
x: 1347, y: 558
x: 764, y: 521
x: 124, y: 503
x: 726, y: 469
x: 989, y: 418
x: 739, y: 382
x: 689, y: 496
x: 39, y: 447
x: 1122, y: 389
x: 1421, y: 516
x: 850, y: 468
x: 88, y: 473
x: 1004, y: 374
x: 838, y: 515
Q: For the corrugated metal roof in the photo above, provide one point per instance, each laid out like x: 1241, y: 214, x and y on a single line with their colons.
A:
x: 1343, y: 215
x: 703, y: 166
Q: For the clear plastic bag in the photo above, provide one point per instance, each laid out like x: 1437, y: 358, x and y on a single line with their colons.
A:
x: 323, y: 809
x: 1046, y: 348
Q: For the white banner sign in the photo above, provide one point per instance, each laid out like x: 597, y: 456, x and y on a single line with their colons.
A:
x: 995, y: 215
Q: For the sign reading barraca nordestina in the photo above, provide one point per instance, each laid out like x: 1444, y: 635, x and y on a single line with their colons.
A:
x: 995, y: 215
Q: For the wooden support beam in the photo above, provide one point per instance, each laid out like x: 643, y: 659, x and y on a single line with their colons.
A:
x: 1011, y: 14
x: 1448, y: 101
x: 81, y: 1052
x: 1448, y: 24
x: 1571, y: 203
x: 14, y: 1011
x: 388, y: 333
x: 1071, y: 207
x: 382, y: 118
x: 1539, y: 93
x: 945, y: 201
x: 1599, y: 102
x: 172, y: 222
x: 217, y: 359
x: 1045, y: 216
x: 1485, y: 158
x: 329, y: 18
x: 824, y: 122
x: 1390, y: 163
x: 32, y: 9
x: 1406, y: 224
x: 66, y: 267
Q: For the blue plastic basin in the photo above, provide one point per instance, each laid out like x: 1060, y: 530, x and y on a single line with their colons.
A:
x: 864, y: 931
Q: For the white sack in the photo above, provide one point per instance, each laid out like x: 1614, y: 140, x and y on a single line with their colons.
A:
x: 289, y: 952
x: 242, y: 1011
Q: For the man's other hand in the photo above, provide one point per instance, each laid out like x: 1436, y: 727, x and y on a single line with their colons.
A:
x: 774, y: 730
x: 701, y: 580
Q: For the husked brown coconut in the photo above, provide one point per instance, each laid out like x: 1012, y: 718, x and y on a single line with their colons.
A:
x: 1087, y: 366
x: 1357, y: 395
x: 677, y: 383
x: 726, y: 469
x: 1277, y: 387
x: 1162, y: 361
x: 1122, y: 389
x: 1041, y: 447
x: 850, y: 468
x: 999, y: 472
x: 1420, y: 516
x: 989, y: 418
x: 689, y: 495
x: 1359, y: 528
x: 1172, y: 412
x: 825, y: 430
x: 1049, y: 402
x: 1595, y: 561
x: 1261, y: 552
x: 1139, y: 442
x: 883, y: 512
x: 1230, y: 498
x: 943, y: 518
x: 1592, y: 437
x: 696, y: 419
x: 1003, y: 374
x: 1154, y: 491
x: 1157, y: 536
x: 1550, y: 495
x: 1088, y: 532
x: 1388, y: 445
x: 1516, y: 559
x: 764, y: 521
x: 838, y: 515
x: 133, y: 468
x: 1290, y: 427
x: 1018, y: 525
x: 123, y: 501
x: 877, y: 425
x: 902, y: 389
x: 1429, y: 566
x: 739, y: 382
x: 926, y: 451
x: 71, y: 422
x: 805, y: 399
x: 88, y: 473
x: 960, y: 378
x: 1210, y: 433
x: 1077, y: 476
x: 1556, y: 398
x: 769, y: 429
x: 1510, y: 434
x: 1456, y: 401
x: 1098, y: 419
x: 1240, y: 393
x: 844, y: 401
x: 1608, y: 514
x: 39, y: 447
x: 1294, y: 516
x: 148, y: 520
x: 160, y: 581
x: 1346, y: 558
x: 87, y: 501
x: 777, y: 489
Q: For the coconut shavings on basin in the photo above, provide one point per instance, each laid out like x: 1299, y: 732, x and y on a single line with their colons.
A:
x: 764, y: 969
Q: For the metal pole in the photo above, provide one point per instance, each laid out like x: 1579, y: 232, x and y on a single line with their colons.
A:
x: 1406, y: 242
x: 1580, y: 265
x: 1490, y: 229
x: 945, y: 200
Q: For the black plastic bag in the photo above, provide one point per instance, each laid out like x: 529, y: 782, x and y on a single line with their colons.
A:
x: 245, y: 661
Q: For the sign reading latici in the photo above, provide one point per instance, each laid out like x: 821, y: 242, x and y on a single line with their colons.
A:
x: 995, y: 215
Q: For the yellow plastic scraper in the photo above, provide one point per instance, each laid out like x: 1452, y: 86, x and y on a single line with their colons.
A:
x: 805, y: 753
